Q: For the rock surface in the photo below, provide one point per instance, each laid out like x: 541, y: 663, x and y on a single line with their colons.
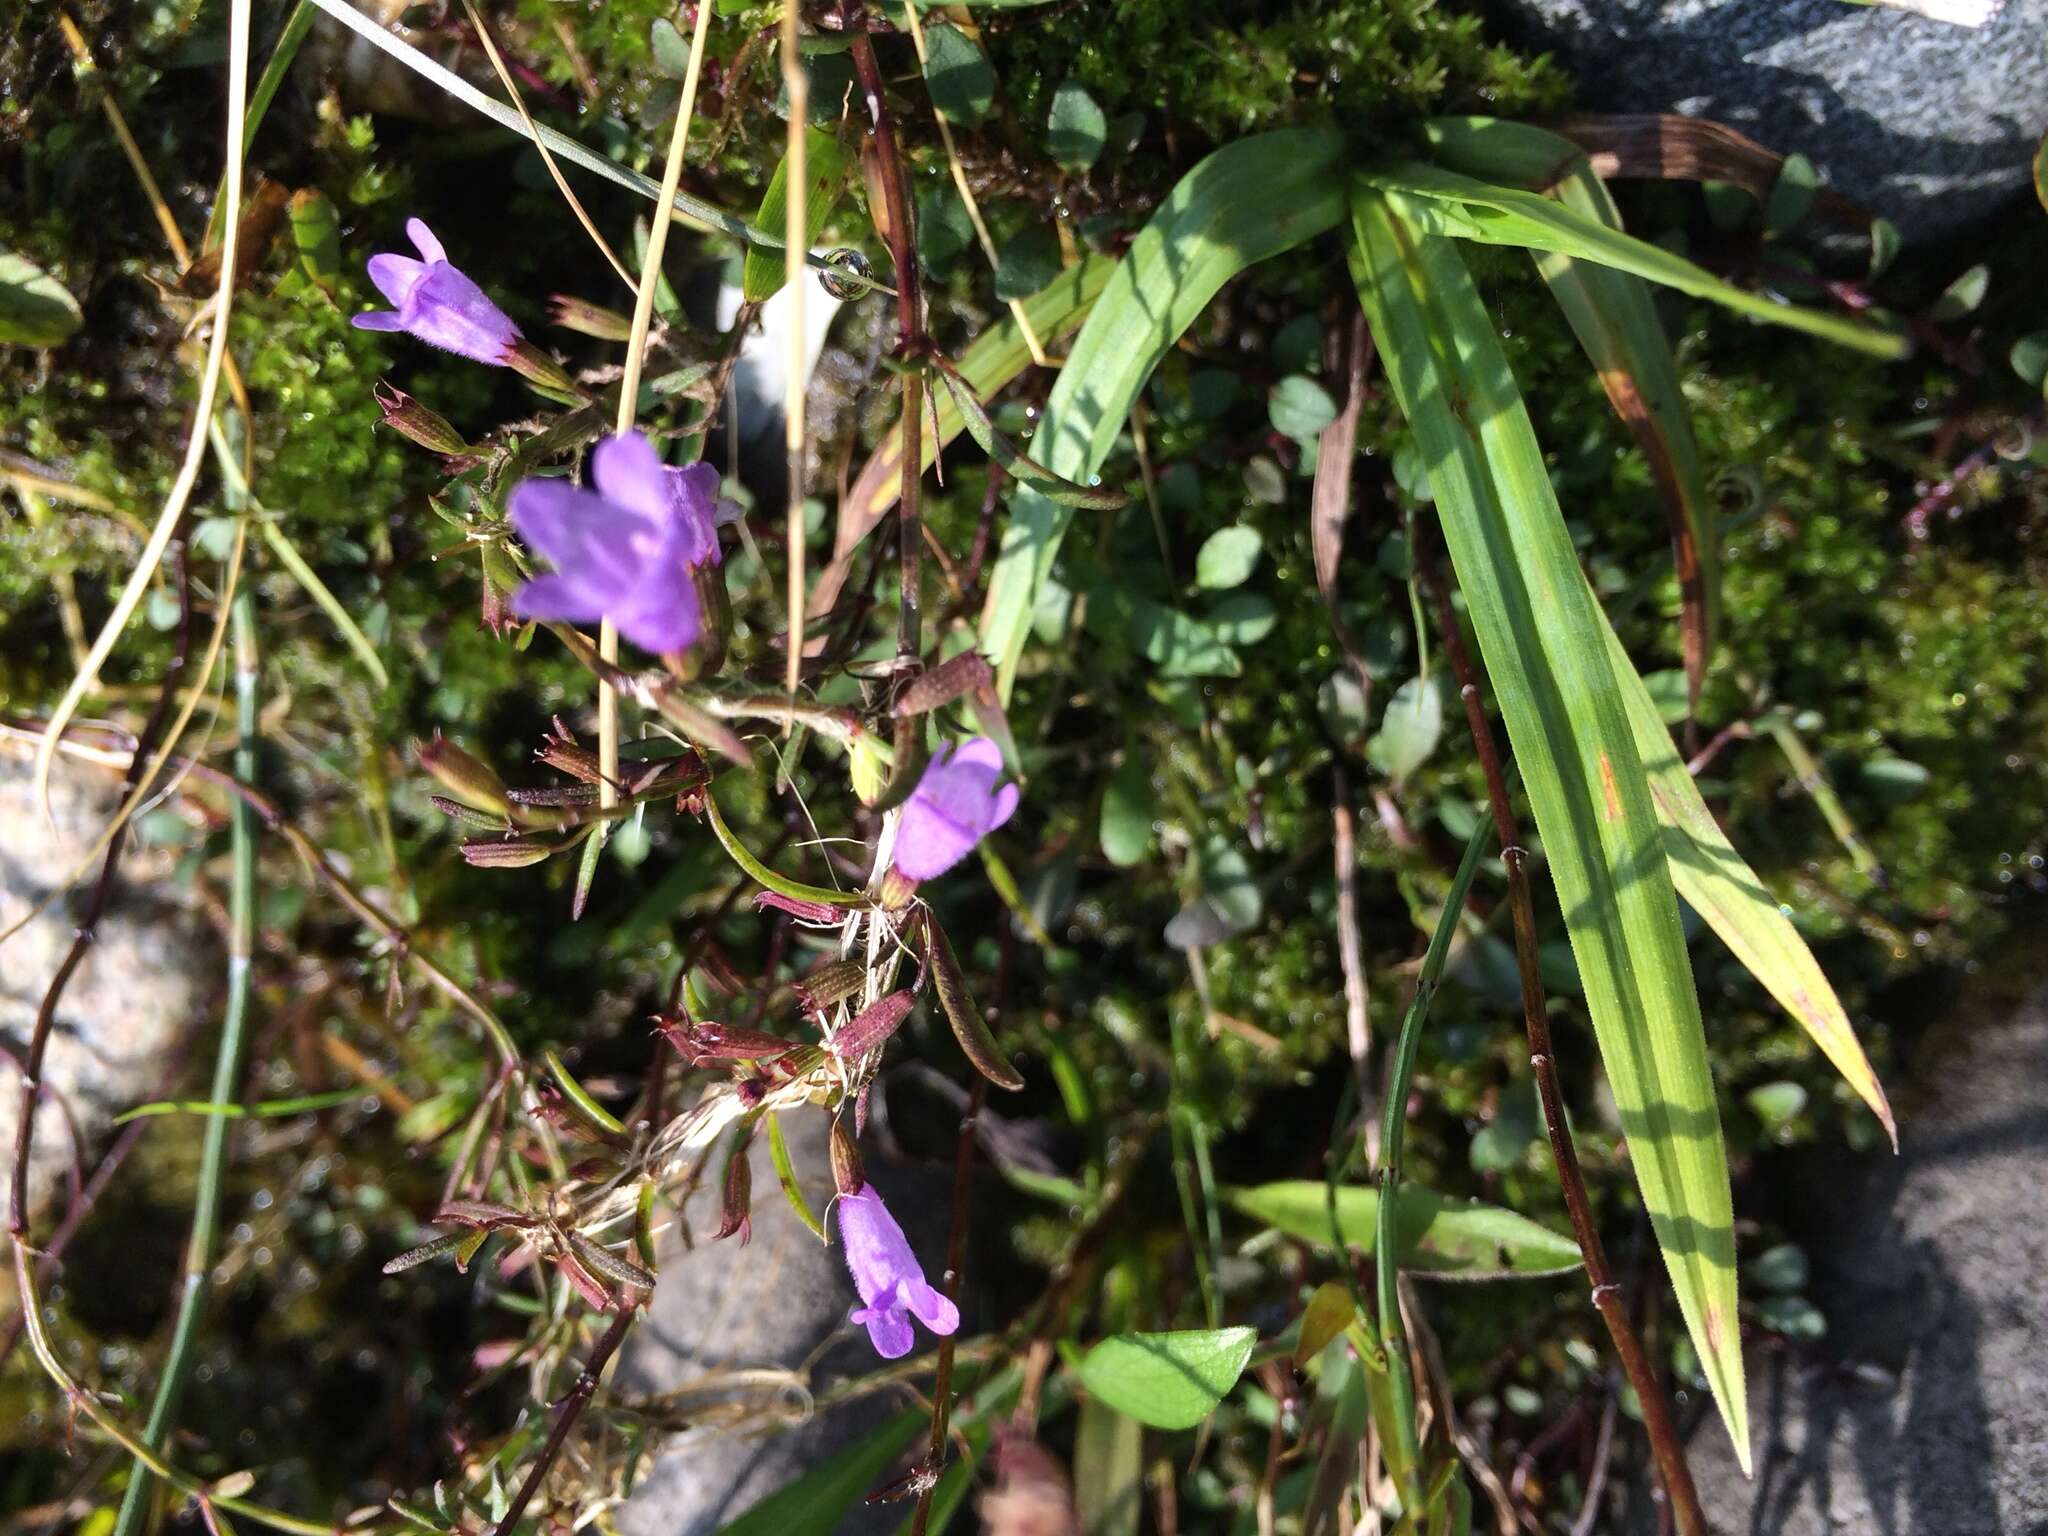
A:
x: 1930, y: 124
x: 733, y: 1331
x: 150, y: 969
x: 1923, y: 1411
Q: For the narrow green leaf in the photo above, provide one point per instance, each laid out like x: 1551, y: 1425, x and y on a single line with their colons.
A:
x: 825, y: 169
x: 815, y: 1503
x: 316, y: 234
x: 1439, y: 1236
x: 1026, y: 470
x: 1961, y: 297
x: 35, y: 309
x: 1444, y: 203
x: 785, y: 1175
x: 1247, y: 201
x: 761, y: 874
x: 1544, y: 643
x: 1167, y: 1380
x: 1791, y: 195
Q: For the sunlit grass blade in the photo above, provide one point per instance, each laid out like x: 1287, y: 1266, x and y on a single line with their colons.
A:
x: 1544, y: 642
x: 1247, y: 201
x: 1615, y: 318
x: 1718, y: 884
x: 995, y: 357
x: 826, y: 163
x: 1446, y: 203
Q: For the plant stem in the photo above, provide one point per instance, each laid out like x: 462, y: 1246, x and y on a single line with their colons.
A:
x: 1387, y: 1269
x: 956, y: 1260
x: 567, y: 1411
x: 227, y: 1077
x: 95, y: 909
x: 1665, y: 1445
x: 911, y: 341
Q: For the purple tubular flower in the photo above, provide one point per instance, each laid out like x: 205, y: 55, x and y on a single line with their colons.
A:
x: 955, y: 805
x: 626, y: 550
x: 437, y: 303
x: 886, y: 1273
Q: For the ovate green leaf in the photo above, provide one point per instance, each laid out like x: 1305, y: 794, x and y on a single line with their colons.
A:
x: 1168, y: 1380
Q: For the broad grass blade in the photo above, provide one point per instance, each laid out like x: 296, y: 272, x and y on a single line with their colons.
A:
x: 1615, y: 318
x: 1545, y: 646
x: 1446, y: 203
x: 1247, y: 201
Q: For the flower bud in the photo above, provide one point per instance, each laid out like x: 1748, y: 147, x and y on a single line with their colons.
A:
x: 849, y: 1177
x: 739, y: 1196
x: 574, y: 314
x: 867, y: 765
x: 830, y: 983
x: 539, y: 369
x: 870, y: 1029
x: 562, y: 752
x: 822, y: 913
x: 471, y: 782
x: 949, y: 680
x: 506, y: 852
x: 408, y: 418
x: 897, y: 889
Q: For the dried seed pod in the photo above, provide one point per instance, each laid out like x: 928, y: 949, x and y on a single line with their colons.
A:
x: 738, y: 1205
x: 848, y: 1173
x: 469, y: 781
x: 977, y: 1043
x: 830, y: 983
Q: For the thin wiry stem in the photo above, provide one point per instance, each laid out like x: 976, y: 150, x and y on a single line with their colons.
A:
x: 571, y: 1406
x: 950, y: 1283
x: 796, y: 83
x: 1665, y: 1445
x: 227, y: 1077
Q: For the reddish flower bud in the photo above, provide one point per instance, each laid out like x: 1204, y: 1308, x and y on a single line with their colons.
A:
x: 822, y: 913
x: 423, y: 425
x: 949, y: 680
x: 848, y: 1174
x: 871, y: 1028
x: 562, y: 752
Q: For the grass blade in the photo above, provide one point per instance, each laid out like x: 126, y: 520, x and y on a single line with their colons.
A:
x: 1615, y: 318
x: 1442, y: 202
x: 1544, y: 643
x: 1247, y: 201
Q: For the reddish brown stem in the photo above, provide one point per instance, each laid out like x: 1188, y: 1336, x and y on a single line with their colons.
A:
x: 567, y: 1411
x: 911, y: 342
x: 95, y: 909
x: 1665, y: 1445
x: 956, y: 1260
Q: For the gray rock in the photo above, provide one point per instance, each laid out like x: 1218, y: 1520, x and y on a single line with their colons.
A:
x: 151, y: 968
x: 1930, y: 124
x: 1923, y: 1411
x: 738, y: 1340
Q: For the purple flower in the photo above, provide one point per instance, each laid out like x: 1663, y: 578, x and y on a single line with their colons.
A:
x: 625, y: 551
x: 437, y: 303
x: 955, y: 805
x: 886, y: 1273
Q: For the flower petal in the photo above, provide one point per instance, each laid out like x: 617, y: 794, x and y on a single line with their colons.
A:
x: 423, y: 240
x: 445, y: 309
x: 377, y: 320
x: 888, y: 1330
x: 630, y: 473
x: 556, y: 598
x: 588, y: 540
x: 937, y: 1313
x: 396, y: 276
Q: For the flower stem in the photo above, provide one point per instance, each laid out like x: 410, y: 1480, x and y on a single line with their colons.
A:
x: 1665, y: 1445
